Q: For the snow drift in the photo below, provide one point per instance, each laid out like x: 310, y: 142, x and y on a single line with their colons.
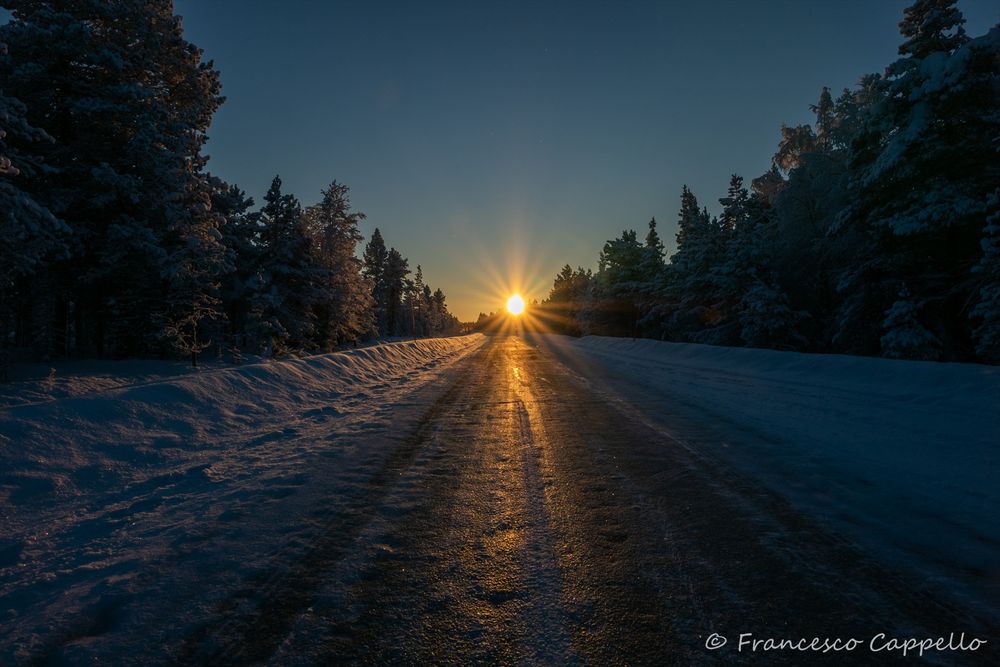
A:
x: 142, y: 424
x: 106, y: 499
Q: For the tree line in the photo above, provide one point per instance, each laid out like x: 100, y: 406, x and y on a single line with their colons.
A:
x: 116, y: 241
x: 876, y: 230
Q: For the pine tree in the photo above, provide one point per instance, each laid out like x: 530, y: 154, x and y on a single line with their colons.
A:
x: 767, y: 186
x: 652, y: 266
x: 924, y: 167
x: 561, y: 310
x: 192, y: 270
x: 31, y: 234
x: 615, y: 306
x: 127, y: 101
x: 826, y: 121
x: 433, y: 309
x: 375, y: 262
x: 803, y: 254
x: 795, y: 142
x: 691, y: 282
x: 986, y: 314
x: 444, y: 322
x: 396, y: 270
x: 289, y: 279
x: 767, y: 320
x: 905, y: 336
x: 30, y: 231
x: 735, y: 204
x: 241, y: 237
x: 689, y: 225
x: 649, y: 295
x: 850, y: 126
x: 417, y: 309
x: 344, y: 313
x: 931, y: 26
x: 736, y: 269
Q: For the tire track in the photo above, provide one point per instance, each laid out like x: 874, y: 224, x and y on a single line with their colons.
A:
x: 279, y: 599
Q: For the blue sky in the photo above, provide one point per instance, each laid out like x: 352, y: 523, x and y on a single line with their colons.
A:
x: 494, y: 142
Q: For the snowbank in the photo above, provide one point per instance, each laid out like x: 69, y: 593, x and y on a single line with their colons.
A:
x: 41, y: 382
x: 905, y: 380
x: 141, y: 424
x: 900, y: 456
x: 108, y: 499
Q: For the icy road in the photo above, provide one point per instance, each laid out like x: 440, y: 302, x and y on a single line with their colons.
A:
x: 509, y: 505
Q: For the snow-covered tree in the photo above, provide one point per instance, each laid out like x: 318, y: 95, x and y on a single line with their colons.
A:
x: 691, y: 281
x: 925, y: 167
x: 890, y: 186
x: 444, y: 323
x: 826, y: 121
x: 193, y: 269
x: 240, y: 236
x: 31, y: 235
x: 795, y: 142
x: 767, y: 186
x: 905, y: 336
x: 570, y: 290
x: 127, y: 101
x: 986, y: 313
x: 396, y: 270
x: 29, y: 230
x: 750, y: 301
x: 374, y: 264
x: 614, y: 304
x: 415, y: 306
x: 288, y: 280
x: 767, y: 320
x: 344, y: 311
x: 931, y: 26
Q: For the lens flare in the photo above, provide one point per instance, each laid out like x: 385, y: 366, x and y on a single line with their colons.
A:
x: 515, y: 304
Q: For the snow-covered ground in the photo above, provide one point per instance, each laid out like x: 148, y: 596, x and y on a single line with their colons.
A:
x: 118, y: 493
x: 41, y: 382
x: 901, y: 456
x: 112, y: 481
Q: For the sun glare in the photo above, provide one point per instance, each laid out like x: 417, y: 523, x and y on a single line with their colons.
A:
x: 515, y: 305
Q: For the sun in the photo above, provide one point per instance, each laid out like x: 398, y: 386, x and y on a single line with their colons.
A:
x: 515, y: 304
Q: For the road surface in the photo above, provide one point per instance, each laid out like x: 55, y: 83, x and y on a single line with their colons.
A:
x: 525, y: 517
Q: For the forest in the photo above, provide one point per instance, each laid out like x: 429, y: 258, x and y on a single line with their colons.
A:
x: 117, y: 241
x: 875, y: 232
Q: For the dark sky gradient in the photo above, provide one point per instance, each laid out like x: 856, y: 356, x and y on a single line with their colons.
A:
x: 494, y: 143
